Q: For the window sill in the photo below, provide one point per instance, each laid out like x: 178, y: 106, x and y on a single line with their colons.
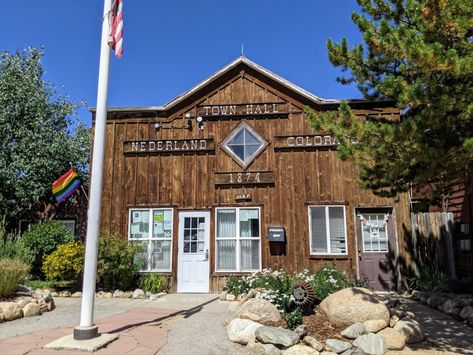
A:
x: 328, y: 256
x: 231, y: 273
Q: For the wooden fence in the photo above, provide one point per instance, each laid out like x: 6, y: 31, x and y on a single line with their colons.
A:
x: 432, y: 241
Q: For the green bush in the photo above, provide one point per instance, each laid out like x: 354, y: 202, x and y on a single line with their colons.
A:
x: 294, y: 318
x: 42, y: 240
x: 153, y: 283
x: 12, y: 273
x: 49, y: 284
x: 65, y: 263
x: 117, y: 264
x: 12, y: 247
x: 237, y: 285
x: 328, y: 280
x: 431, y: 279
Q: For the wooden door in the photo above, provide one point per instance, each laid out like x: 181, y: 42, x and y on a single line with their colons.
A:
x: 376, y: 245
x: 193, y: 257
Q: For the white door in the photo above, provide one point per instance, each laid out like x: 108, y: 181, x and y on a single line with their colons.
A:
x: 193, y: 255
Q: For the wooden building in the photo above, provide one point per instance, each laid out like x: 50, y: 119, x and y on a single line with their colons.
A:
x: 229, y: 178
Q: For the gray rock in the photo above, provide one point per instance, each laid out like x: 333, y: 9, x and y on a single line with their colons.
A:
x: 466, y: 312
x: 411, y: 329
x: 302, y: 331
x: 118, y: 294
x: 392, y: 339
x: 31, y: 309
x: 351, y: 305
x: 265, y: 349
x: 156, y: 296
x: 65, y: 294
x: 230, y: 297
x: 139, y: 294
x: 277, y: 336
x: 417, y: 295
x: 77, y: 294
x: 10, y: 310
x: 241, y: 331
x: 300, y: 349
x: 47, y: 296
x: 317, y: 345
x: 370, y: 344
x: 354, y: 331
x: 223, y: 296
x: 50, y: 305
x: 260, y: 311
x: 374, y: 325
x: 337, y: 346
x: 452, y: 307
x: 436, y: 300
x: 23, y: 289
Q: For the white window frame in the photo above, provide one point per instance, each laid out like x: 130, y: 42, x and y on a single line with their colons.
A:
x: 327, y: 224
x: 150, y: 234
x: 237, y: 238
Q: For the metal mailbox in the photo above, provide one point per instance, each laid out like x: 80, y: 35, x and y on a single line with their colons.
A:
x: 276, y: 234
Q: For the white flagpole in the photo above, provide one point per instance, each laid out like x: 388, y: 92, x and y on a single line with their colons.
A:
x: 86, y: 329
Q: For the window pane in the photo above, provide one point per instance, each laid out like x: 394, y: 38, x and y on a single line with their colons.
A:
x: 374, y: 233
x: 142, y: 256
x: 160, y: 255
x: 250, y: 138
x: 337, y: 230
x: 239, y: 151
x: 249, y: 223
x: 139, y: 227
x: 250, y: 150
x: 226, y: 226
x: 226, y: 254
x: 319, y: 230
x: 249, y: 254
x: 238, y: 139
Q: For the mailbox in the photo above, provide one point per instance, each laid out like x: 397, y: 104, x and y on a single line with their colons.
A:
x: 276, y: 234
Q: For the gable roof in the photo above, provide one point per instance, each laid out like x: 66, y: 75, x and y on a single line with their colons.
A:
x: 244, y: 62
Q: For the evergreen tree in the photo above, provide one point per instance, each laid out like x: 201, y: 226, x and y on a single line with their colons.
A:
x: 36, y: 136
x: 418, y: 54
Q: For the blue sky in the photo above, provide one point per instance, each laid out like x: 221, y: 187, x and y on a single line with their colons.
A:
x: 169, y: 46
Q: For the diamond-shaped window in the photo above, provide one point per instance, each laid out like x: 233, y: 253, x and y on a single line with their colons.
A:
x: 244, y: 144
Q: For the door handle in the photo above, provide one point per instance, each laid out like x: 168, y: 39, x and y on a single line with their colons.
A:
x: 206, y: 255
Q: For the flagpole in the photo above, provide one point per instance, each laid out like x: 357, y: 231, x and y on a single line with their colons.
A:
x: 86, y: 329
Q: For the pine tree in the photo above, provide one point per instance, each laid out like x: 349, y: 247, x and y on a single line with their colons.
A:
x: 418, y: 54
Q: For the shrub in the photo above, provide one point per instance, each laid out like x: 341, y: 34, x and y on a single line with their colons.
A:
x: 65, y: 263
x: 237, y: 285
x: 12, y: 273
x: 431, y: 279
x: 117, y: 264
x: 42, y: 240
x: 49, y: 284
x: 12, y: 247
x: 294, y: 318
x: 153, y: 283
x: 328, y: 280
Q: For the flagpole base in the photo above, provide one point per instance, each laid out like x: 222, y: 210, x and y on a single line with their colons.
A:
x: 85, y: 333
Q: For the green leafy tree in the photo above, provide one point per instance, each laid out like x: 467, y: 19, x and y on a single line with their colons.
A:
x: 419, y: 55
x: 38, y: 140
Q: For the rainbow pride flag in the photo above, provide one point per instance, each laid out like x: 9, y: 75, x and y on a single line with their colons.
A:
x: 66, y: 185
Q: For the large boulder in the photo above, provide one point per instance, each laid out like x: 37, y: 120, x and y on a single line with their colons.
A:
x: 10, y: 310
x: 241, y: 331
x: 276, y: 336
x: 411, y: 329
x: 260, y: 311
x: 371, y: 344
x: 351, y: 305
x: 393, y: 339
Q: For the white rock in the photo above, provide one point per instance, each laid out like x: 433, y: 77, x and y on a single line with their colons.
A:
x: 374, y: 325
x: 118, y: 294
x: 311, y: 341
x: 139, y: 294
x: 300, y: 349
x: 260, y: 311
x: 370, y: 344
x: 241, y: 331
x: 65, y: 294
x: 351, y: 305
x: 77, y: 294
x: 223, y: 296
x: 230, y: 297
x: 276, y: 336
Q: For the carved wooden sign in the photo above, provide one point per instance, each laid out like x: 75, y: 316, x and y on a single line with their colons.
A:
x: 304, y: 141
x: 244, y: 178
x: 242, y: 197
x: 172, y: 146
x: 253, y: 109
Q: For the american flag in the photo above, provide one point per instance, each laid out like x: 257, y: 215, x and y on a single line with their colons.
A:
x: 115, y: 39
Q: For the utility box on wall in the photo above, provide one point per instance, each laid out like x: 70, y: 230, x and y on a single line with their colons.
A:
x: 276, y: 234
